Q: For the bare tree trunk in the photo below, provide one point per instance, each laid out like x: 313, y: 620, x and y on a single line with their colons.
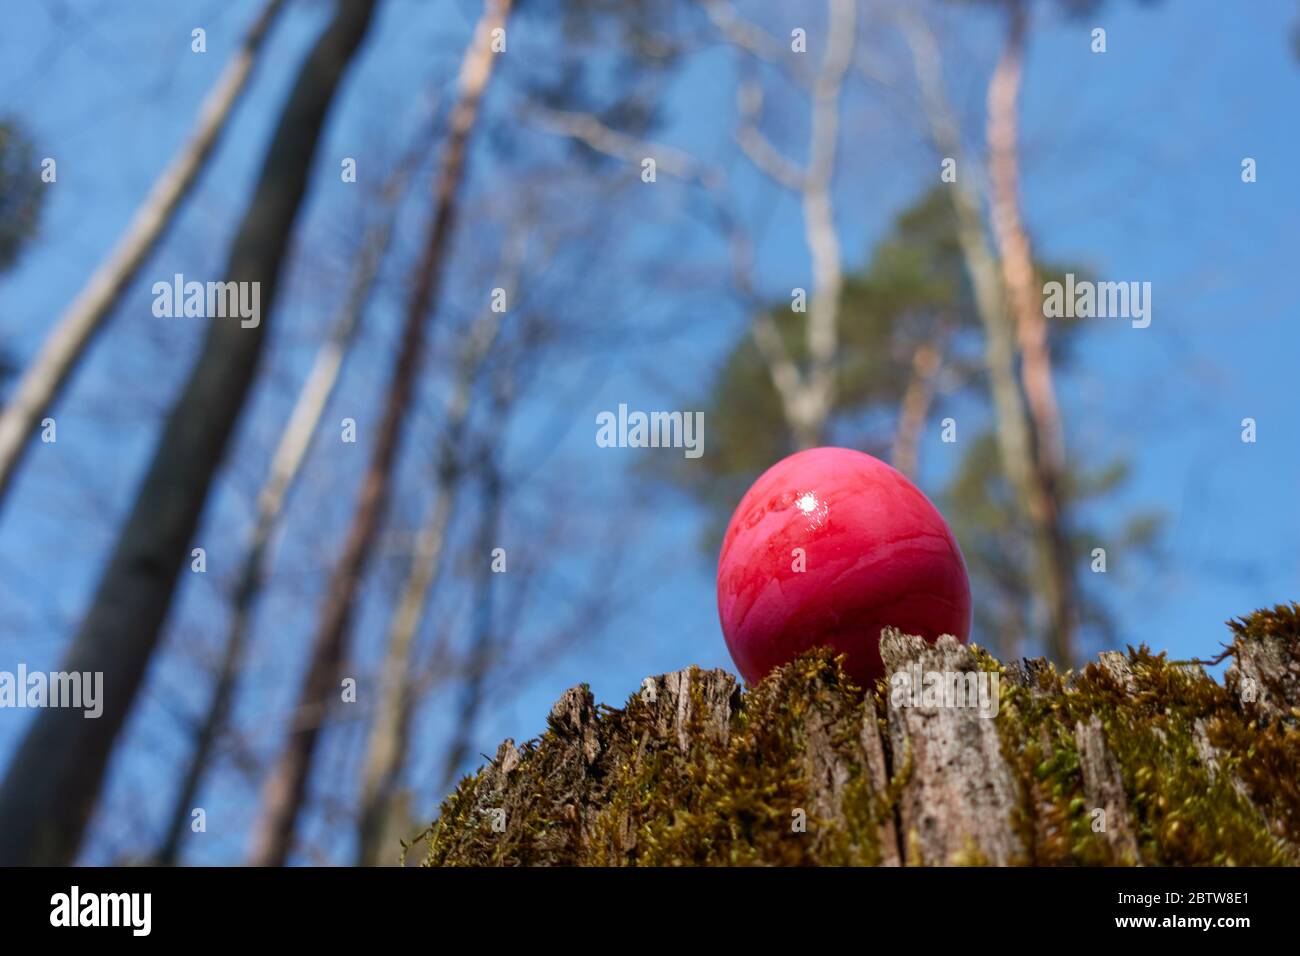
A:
x: 807, y: 397
x: 286, y: 464
x: 1014, y: 427
x: 54, y: 779
x: 389, y: 737
x: 819, y: 222
x: 1025, y: 300
x: 41, y: 383
x: 287, y: 785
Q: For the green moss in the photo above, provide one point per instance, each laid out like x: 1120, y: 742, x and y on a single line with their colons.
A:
x: 1279, y: 623
x: 1184, y: 812
x: 1038, y: 744
x: 737, y: 801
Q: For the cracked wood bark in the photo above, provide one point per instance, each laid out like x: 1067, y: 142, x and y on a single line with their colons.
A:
x: 49, y: 371
x: 1265, y: 674
x: 286, y: 786
x: 960, y: 792
x: 55, y: 777
x: 1213, y: 759
x: 877, y: 768
x: 1105, y: 788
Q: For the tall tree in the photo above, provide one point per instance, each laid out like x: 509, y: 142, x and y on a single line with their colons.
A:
x: 1025, y: 302
x: 484, y: 639
x: 55, y: 776
x: 286, y: 465
x: 999, y: 552
x: 1029, y: 430
x: 287, y: 784
x: 49, y: 371
x: 806, y: 389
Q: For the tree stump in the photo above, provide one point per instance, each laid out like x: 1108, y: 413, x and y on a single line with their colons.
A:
x: 1134, y: 760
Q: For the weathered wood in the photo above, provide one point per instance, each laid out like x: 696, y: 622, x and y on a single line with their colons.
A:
x: 960, y: 796
x: 1265, y: 673
x: 1104, y: 786
x: 676, y: 708
x: 876, y: 763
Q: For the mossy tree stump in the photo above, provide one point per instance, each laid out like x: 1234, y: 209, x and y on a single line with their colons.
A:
x: 1133, y: 760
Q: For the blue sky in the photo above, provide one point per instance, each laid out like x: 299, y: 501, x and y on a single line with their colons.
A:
x: 1132, y: 168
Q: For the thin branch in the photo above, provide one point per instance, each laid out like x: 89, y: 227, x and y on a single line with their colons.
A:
x: 755, y: 40
x: 769, y: 160
x: 918, y: 396
x: 601, y: 138
x: 784, y: 372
